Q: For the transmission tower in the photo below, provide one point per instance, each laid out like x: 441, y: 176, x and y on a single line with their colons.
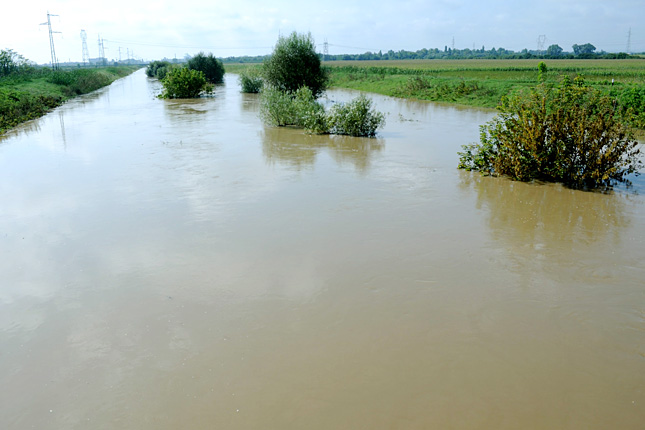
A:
x: 629, y: 41
x: 102, y: 58
x: 51, y: 40
x: 325, y: 50
x: 540, y: 42
x: 86, y: 52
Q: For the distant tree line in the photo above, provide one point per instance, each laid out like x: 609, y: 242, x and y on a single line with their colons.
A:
x: 584, y: 51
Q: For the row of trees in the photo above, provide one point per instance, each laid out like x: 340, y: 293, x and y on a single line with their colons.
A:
x: 554, y: 51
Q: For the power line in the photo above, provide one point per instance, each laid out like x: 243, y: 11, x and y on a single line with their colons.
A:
x: 51, y: 40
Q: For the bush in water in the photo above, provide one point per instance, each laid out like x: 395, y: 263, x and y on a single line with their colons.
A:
x: 356, y: 118
x: 294, y: 64
x: 183, y: 83
x: 151, y: 70
x: 251, y: 80
x: 570, y: 134
x: 211, y: 67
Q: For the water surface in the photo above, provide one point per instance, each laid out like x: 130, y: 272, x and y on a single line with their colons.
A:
x: 176, y: 264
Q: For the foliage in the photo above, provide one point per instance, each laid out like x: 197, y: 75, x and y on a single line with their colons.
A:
x: 356, y: 118
x: 283, y: 109
x: 554, y: 51
x: 30, y: 93
x: 631, y: 105
x: 211, y: 67
x: 586, y: 49
x: 294, y: 64
x: 251, y: 80
x: 163, y: 71
x: 184, y: 83
x: 485, y: 82
x: 569, y: 134
x: 12, y: 62
x: 151, y: 70
x: 542, y: 70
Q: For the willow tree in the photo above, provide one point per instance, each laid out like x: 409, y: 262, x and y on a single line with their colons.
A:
x: 295, y: 64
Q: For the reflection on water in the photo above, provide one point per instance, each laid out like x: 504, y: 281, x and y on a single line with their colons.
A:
x: 165, y: 264
x: 295, y: 148
x: 542, y: 215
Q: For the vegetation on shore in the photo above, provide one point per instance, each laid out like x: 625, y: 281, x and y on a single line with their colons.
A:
x: 483, y: 83
x: 28, y: 92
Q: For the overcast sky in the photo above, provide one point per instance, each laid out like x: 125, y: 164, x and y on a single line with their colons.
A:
x: 169, y: 28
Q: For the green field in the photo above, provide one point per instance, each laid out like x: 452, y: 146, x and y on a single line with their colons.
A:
x: 34, y: 92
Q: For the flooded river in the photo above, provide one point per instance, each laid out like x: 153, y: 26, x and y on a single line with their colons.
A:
x: 177, y: 265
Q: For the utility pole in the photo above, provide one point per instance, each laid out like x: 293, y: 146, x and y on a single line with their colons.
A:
x: 86, y: 52
x: 540, y: 42
x: 51, y: 40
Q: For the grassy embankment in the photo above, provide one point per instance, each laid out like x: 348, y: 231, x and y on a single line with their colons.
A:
x: 33, y: 93
x: 483, y: 83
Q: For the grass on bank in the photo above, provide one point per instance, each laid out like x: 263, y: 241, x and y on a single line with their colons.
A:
x: 31, y: 94
x: 484, y: 83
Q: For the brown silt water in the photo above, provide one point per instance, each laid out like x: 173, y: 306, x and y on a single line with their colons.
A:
x: 179, y: 265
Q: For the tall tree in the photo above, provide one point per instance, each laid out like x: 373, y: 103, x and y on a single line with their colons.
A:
x: 554, y: 51
x: 294, y: 64
x: 585, y: 49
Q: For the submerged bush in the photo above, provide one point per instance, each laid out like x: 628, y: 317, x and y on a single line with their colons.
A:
x: 183, y: 83
x: 282, y: 109
x: 163, y: 71
x: 570, y: 134
x: 356, y: 118
x: 251, y: 80
x: 211, y: 67
x: 151, y: 70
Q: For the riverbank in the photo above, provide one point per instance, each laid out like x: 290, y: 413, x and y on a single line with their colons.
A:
x: 31, y: 94
x: 483, y: 83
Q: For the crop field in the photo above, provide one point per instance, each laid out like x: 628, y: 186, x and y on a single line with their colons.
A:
x: 625, y: 71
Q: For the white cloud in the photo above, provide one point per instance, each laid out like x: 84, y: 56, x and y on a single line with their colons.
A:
x: 167, y: 28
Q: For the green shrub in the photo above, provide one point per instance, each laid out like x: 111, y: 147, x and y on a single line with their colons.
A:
x: 163, y: 70
x: 277, y: 108
x: 301, y: 109
x: 211, y: 67
x: 151, y: 70
x: 251, y: 80
x: 183, y: 83
x: 295, y: 64
x: 570, y: 134
x: 356, y: 118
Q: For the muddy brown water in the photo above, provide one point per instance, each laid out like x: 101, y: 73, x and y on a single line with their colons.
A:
x: 177, y: 265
